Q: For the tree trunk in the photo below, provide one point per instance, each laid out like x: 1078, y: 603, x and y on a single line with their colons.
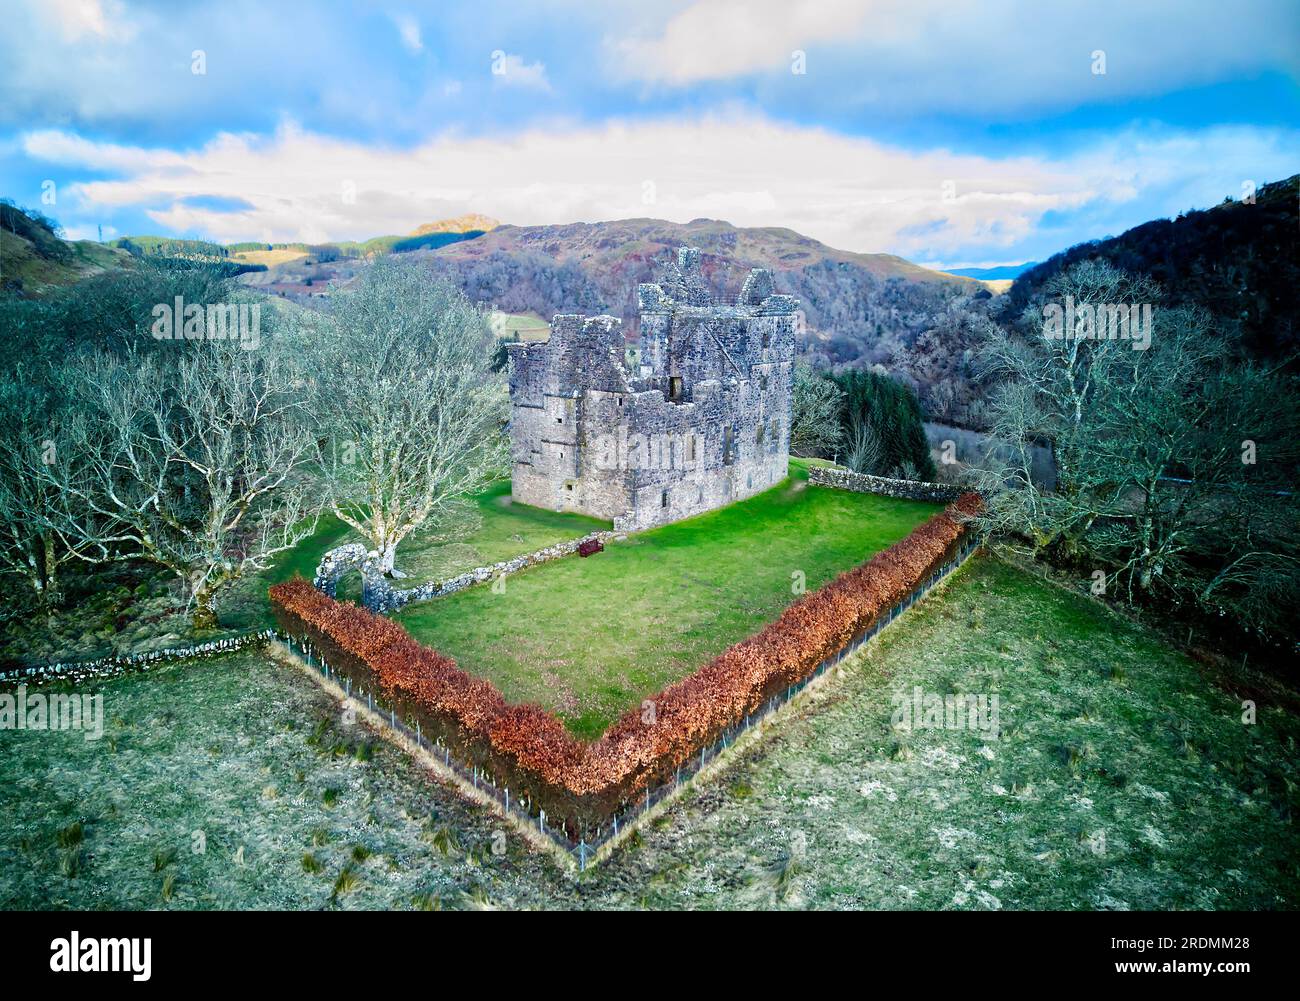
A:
x: 205, y: 607
x: 52, y: 596
x: 387, y: 556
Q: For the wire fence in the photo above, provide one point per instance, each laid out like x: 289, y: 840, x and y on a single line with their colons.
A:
x: 525, y: 811
x: 521, y: 809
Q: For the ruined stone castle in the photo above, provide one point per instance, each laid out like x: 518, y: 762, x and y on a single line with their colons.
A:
x: 693, y: 416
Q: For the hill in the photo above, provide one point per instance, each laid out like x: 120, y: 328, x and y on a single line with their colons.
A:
x: 470, y: 222
x: 1239, y: 260
x: 859, y: 308
x: 633, y: 246
x: 34, y: 258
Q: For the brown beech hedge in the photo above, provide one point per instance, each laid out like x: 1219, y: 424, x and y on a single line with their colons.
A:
x: 530, y: 749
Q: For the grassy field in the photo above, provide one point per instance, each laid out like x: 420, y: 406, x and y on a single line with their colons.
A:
x: 1120, y: 779
x: 525, y: 326
x: 269, y: 257
x: 588, y: 638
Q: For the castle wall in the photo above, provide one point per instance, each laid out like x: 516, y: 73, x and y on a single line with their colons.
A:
x: 695, y: 419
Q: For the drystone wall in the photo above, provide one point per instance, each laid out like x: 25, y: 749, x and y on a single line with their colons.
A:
x: 379, y: 595
x: 863, y: 483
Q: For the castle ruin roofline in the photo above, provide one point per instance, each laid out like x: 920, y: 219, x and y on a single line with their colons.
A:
x: 652, y: 299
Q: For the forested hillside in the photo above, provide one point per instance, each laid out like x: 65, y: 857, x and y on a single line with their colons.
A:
x: 1239, y: 260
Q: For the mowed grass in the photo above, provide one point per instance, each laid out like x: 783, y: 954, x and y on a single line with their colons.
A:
x: 488, y: 529
x: 1121, y: 778
x: 588, y: 638
x: 492, y: 529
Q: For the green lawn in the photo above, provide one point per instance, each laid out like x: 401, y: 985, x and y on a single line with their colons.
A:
x: 490, y: 528
x: 588, y: 638
x: 1122, y: 779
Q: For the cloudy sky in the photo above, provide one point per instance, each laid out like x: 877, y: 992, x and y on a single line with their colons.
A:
x: 955, y: 133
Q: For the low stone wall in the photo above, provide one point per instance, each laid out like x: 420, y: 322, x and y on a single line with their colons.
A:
x: 864, y: 483
x: 379, y: 595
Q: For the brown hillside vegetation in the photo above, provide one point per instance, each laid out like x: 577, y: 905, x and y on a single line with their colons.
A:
x: 467, y: 223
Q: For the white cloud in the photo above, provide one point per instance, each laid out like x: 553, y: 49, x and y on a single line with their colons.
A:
x: 980, y: 57
x: 79, y: 19
x: 510, y: 70
x: 409, y: 30
x: 717, y: 39
x: 851, y: 193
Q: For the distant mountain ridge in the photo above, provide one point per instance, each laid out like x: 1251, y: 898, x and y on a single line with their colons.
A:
x: 596, y: 267
x: 999, y: 273
x: 859, y: 308
x: 467, y: 223
x: 726, y: 247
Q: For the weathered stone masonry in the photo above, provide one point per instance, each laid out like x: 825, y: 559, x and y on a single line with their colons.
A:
x: 694, y: 416
x: 378, y: 595
x: 865, y: 483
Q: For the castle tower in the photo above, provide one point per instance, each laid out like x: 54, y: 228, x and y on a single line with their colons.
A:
x: 697, y: 418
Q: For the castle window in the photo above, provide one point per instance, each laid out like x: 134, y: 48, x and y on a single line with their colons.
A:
x: 675, y: 387
x: 767, y: 338
x: 690, y: 448
x: 761, y: 431
x: 663, y: 499
x: 762, y: 382
x: 559, y: 420
x: 728, y: 445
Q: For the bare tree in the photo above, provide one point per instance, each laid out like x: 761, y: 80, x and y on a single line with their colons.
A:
x: 410, y: 413
x: 194, y: 466
x: 33, y: 473
x: 1158, y: 477
x: 1056, y: 390
x: 864, y: 448
x: 815, y: 418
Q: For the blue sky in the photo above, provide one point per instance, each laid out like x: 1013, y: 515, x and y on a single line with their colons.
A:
x: 954, y: 134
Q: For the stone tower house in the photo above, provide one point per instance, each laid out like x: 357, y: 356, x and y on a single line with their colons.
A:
x: 694, y: 417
